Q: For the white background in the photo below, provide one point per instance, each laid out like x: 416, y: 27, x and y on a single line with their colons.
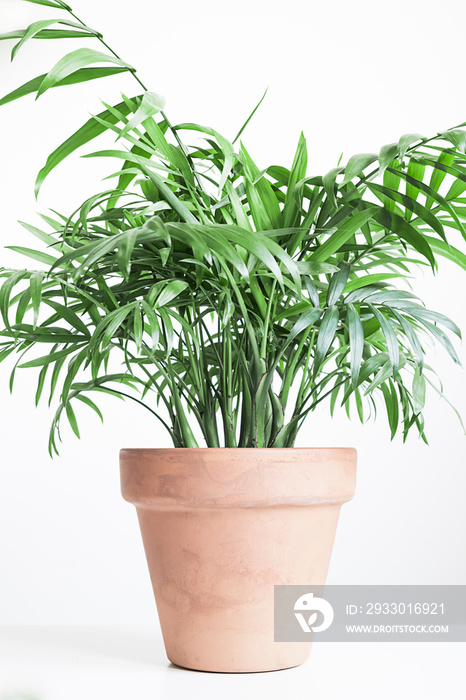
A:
x: 353, y: 76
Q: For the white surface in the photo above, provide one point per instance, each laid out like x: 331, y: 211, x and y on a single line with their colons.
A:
x: 72, y: 663
x: 352, y: 75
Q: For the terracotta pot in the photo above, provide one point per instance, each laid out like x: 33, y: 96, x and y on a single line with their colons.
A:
x: 220, y: 528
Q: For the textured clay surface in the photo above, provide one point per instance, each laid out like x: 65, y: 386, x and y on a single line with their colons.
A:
x: 220, y: 528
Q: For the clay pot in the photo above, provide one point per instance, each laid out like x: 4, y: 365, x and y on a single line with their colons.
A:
x: 221, y: 527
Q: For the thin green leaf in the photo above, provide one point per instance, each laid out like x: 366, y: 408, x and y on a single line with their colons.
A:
x: 405, y: 231
x: 125, y: 248
x: 72, y: 419
x: 107, y: 328
x: 356, y: 337
x: 34, y: 254
x: 168, y: 194
x: 74, y: 61
x: 329, y: 182
x: 80, y: 76
x: 342, y: 233
x: 441, y: 166
x: 419, y: 391
x: 305, y: 321
x: 291, y: 208
x: 51, y: 3
x: 170, y: 291
x: 390, y: 337
x: 48, y: 359
x: 337, y: 283
x: 357, y: 164
x: 40, y: 384
x: 416, y: 172
x: 411, y: 205
x: 90, y: 130
x: 361, y: 282
x: 406, y: 141
x: 35, y: 285
x: 151, y: 104
x: 420, y: 312
x: 137, y: 327
x: 326, y: 335
x: 36, y: 27
x: 68, y: 315
x: 432, y: 195
x: 250, y: 117
x: 86, y: 400
x: 263, y: 203
x: 457, y: 137
x: 387, y: 154
x: 5, y: 293
x: 412, y: 337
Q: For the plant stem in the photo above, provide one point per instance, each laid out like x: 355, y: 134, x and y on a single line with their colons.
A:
x: 246, y: 415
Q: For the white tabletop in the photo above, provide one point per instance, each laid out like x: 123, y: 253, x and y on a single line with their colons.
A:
x: 113, y: 663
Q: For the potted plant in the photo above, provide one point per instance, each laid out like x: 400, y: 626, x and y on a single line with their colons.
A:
x: 230, y: 301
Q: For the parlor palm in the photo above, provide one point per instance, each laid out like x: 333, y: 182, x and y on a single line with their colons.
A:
x: 230, y: 296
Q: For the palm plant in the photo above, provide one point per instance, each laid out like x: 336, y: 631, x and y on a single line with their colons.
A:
x: 205, y: 288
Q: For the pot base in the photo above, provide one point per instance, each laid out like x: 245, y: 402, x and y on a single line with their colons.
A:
x: 242, y: 670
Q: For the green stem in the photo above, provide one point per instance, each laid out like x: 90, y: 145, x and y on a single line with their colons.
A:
x: 187, y: 434
x: 272, y: 302
x: 291, y: 369
x: 141, y: 403
x: 227, y: 390
x: 257, y: 373
x: 246, y: 415
x: 161, y: 370
x: 278, y: 415
x: 303, y: 414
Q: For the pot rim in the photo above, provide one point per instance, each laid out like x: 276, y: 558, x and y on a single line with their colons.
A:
x: 196, y: 477
x: 242, y: 449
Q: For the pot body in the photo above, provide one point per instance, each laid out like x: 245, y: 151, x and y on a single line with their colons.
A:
x: 221, y: 527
